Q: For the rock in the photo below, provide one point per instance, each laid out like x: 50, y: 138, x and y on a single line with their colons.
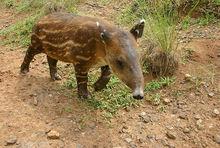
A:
x: 50, y: 95
x: 183, y: 116
x: 141, y: 140
x: 217, y: 138
x: 151, y: 136
x: 124, y: 129
x: 143, y: 114
x: 211, y: 94
x: 186, y: 130
x: 128, y: 140
x: 35, y: 101
x: 145, y: 118
x: 33, y: 95
x: 199, y: 124
x: 11, y: 140
x: 197, y: 117
x: 127, y: 109
x: 53, y: 135
x: 188, y: 77
x: 216, y: 112
x: 166, y: 101
x: 171, y: 135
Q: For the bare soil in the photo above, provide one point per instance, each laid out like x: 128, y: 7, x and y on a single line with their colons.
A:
x: 32, y: 105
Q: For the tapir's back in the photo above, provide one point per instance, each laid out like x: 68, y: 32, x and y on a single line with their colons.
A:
x: 64, y: 36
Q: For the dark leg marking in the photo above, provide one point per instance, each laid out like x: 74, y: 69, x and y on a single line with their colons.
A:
x: 104, y: 78
x: 53, y: 69
x: 31, y: 52
x: 82, y: 79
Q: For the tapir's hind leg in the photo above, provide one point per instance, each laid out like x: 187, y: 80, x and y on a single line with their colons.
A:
x: 53, y: 69
x: 82, y: 79
x: 31, y: 52
x: 104, y: 78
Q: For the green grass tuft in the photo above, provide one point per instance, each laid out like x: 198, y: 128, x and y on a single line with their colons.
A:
x: 162, y: 82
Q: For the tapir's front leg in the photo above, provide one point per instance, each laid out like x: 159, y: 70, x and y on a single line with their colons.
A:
x: 104, y: 78
x: 82, y: 79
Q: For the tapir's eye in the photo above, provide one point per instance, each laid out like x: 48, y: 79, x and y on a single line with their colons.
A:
x: 120, y: 63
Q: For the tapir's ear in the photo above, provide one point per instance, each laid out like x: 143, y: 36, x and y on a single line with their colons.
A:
x: 138, y: 29
x: 104, y: 35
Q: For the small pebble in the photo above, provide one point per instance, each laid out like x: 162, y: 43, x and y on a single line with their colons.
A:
x: 211, y: 94
x: 216, y: 111
x: 144, y: 117
x: 171, y: 135
x: 188, y: 77
x: 186, y: 130
x: 197, y: 117
x: 166, y: 101
x: 199, y: 124
x: 11, y: 140
x: 53, y: 135
x: 128, y: 140
x: 217, y: 139
x: 183, y: 116
x: 35, y: 101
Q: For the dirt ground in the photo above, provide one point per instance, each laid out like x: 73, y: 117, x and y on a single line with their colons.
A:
x: 32, y: 105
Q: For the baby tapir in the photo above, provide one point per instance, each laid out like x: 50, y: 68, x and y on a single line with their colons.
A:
x: 85, y: 42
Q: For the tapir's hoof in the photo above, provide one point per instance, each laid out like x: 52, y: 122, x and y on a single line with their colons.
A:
x: 85, y: 96
x: 98, y: 87
x: 100, y: 84
x: 56, y: 77
x: 24, y: 71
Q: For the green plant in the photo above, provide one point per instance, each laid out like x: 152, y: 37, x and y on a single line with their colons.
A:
x: 162, y: 82
x: 186, y: 22
x: 19, y: 33
x: 116, y: 96
x: 206, y: 19
x: 155, y: 99
x: 70, y: 83
x: 8, y: 3
x: 68, y: 109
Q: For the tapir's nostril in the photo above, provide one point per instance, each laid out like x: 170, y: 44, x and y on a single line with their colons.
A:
x: 138, y: 97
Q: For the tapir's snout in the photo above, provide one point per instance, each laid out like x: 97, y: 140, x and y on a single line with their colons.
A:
x: 138, y: 94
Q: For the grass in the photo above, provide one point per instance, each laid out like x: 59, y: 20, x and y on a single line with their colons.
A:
x: 158, y: 84
x: 117, y: 96
x: 151, y: 89
x: 19, y: 32
x: 206, y: 19
x: 161, y: 21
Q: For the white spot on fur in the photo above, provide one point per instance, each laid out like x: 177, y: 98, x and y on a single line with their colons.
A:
x: 97, y: 23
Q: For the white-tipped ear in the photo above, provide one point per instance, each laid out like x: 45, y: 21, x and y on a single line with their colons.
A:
x: 142, y: 21
x: 138, y: 29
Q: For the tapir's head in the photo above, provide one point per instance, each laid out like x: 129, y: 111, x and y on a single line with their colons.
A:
x: 122, y: 57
